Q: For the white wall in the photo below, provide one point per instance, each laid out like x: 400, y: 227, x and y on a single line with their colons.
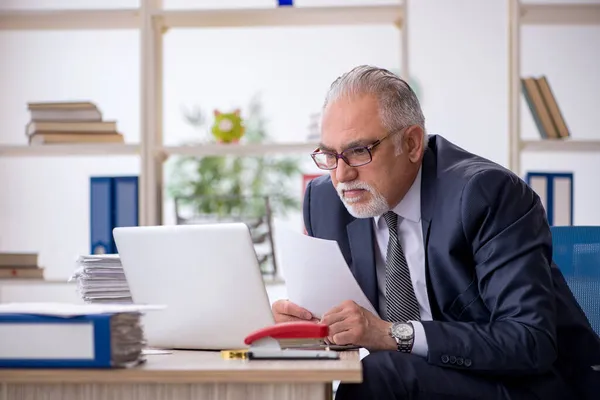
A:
x: 458, y: 57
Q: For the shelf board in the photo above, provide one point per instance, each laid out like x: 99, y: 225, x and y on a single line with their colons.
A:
x: 213, y: 149
x: 75, y: 149
x: 282, y: 16
x: 69, y: 19
x: 558, y: 145
x: 130, y: 18
x: 560, y: 14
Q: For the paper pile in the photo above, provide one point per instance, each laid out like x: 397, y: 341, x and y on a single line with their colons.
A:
x: 101, y: 279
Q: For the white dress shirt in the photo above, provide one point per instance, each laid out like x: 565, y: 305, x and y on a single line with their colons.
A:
x: 410, y: 234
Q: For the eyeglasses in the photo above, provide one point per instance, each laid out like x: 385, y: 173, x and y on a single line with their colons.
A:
x: 354, y: 156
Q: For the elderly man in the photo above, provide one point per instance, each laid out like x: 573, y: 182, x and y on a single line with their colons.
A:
x: 454, y: 252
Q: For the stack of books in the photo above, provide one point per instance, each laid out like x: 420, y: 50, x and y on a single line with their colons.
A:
x: 69, y: 122
x: 544, y: 108
x: 20, y: 266
x: 101, y: 279
x: 82, y: 335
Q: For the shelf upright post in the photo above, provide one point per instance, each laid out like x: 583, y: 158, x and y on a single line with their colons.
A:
x: 404, y: 51
x: 514, y: 86
x: 151, y: 123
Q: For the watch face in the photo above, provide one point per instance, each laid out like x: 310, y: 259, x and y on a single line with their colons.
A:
x: 402, y: 331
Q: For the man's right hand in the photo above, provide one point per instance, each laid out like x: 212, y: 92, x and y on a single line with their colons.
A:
x: 286, y: 311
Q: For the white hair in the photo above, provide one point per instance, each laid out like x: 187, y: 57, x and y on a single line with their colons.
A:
x: 398, y: 104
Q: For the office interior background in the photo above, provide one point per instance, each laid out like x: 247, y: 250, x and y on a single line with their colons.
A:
x: 459, y: 63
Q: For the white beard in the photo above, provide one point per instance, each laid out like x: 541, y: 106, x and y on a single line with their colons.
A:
x: 376, y: 206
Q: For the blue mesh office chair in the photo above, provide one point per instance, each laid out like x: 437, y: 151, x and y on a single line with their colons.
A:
x: 576, y: 251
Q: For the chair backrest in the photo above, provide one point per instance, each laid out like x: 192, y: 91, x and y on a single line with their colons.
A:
x: 576, y: 251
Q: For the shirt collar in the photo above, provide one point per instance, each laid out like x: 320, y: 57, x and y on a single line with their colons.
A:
x: 410, y: 206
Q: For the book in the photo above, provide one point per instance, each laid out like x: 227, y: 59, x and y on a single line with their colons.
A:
x: 552, y: 107
x: 18, y: 260
x: 61, y: 105
x: 538, y: 108
x: 57, y: 137
x: 61, y: 335
x: 21, y: 273
x: 81, y: 127
x: 64, y: 111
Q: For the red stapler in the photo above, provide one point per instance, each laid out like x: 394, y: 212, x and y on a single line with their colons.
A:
x: 266, y: 343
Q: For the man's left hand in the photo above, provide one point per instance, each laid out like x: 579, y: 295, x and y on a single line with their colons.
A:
x: 350, y: 323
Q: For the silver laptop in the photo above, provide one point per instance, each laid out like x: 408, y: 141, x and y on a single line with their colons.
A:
x: 208, y: 277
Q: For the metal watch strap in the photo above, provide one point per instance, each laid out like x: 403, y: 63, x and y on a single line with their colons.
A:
x: 405, y: 346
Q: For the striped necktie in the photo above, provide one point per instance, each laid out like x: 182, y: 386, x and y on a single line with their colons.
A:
x: 401, y: 302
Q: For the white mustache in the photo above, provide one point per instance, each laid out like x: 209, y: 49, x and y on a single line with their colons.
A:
x: 342, y: 186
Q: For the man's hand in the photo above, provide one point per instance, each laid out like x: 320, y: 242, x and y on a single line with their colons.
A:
x: 350, y: 323
x: 286, y: 311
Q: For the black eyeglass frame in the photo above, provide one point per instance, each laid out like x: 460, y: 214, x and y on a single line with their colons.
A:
x: 341, y: 155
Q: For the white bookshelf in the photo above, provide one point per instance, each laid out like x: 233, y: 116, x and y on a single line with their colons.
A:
x: 153, y: 21
x: 524, y: 14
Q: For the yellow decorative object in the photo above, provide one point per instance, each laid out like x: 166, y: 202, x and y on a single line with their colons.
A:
x: 228, y: 127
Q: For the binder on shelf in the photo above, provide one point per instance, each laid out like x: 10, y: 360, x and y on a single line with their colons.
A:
x: 126, y: 201
x: 114, y: 202
x: 101, y: 215
x: 84, y: 341
x: 556, y: 193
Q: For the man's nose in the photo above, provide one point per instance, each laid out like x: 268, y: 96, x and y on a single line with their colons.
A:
x: 344, y: 172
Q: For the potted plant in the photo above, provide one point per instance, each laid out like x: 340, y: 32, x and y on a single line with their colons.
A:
x: 243, y: 188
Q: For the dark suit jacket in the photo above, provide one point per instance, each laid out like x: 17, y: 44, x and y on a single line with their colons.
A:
x: 500, y: 305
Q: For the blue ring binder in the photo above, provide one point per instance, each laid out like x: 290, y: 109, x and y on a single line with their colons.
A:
x: 114, y: 202
x: 550, y: 178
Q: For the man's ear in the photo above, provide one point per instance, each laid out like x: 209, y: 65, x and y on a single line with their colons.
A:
x: 413, y: 142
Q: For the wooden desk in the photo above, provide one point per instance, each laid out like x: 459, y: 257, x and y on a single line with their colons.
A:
x: 185, y: 375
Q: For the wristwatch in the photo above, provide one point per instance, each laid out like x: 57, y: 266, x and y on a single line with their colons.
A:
x: 404, y: 334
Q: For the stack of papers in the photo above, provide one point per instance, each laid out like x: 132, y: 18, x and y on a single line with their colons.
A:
x: 101, y: 279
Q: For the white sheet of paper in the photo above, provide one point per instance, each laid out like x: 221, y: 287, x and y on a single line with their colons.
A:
x: 316, y: 274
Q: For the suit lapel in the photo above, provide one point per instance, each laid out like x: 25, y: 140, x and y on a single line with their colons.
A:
x: 428, y: 177
x: 428, y: 196
x: 360, y: 236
